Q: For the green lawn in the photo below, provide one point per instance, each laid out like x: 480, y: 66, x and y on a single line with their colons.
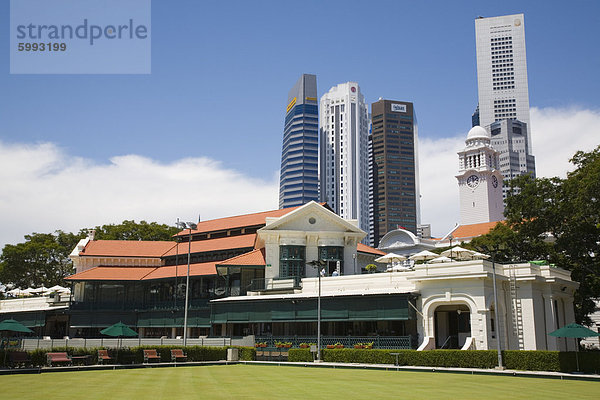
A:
x: 272, y: 382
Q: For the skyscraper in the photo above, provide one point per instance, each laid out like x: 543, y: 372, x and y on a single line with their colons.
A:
x: 509, y: 138
x: 344, y: 176
x: 395, y: 172
x: 503, y: 91
x: 501, y: 69
x: 299, y: 180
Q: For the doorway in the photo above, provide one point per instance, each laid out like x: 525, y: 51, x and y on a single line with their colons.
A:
x: 452, y: 326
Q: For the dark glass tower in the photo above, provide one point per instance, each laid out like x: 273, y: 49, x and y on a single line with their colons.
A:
x: 299, y: 177
x: 395, y: 173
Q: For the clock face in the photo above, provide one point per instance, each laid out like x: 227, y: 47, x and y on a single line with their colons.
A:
x: 473, y: 181
x: 494, y: 181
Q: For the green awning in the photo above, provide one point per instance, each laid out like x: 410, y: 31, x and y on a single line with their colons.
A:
x: 346, y: 308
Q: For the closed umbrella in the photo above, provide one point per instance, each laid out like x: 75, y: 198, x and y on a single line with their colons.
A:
x: 574, y: 331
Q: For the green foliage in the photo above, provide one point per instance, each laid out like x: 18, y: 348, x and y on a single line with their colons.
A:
x: 247, y: 353
x: 300, y: 355
x: 131, y: 230
x: 43, y: 259
x: 371, y: 267
x: 557, y: 220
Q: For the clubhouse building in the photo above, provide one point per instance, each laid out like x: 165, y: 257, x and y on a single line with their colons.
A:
x: 253, y: 275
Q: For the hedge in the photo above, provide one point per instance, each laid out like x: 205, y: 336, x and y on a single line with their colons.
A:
x: 513, y: 359
x: 135, y: 355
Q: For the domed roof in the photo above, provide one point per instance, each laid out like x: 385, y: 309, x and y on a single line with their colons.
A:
x: 477, y: 132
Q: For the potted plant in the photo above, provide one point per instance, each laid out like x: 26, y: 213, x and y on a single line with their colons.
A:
x: 368, y: 345
x: 338, y: 345
x: 304, y: 345
x: 371, y: 268
x: 358, y: 346
x: 331, y: 346
x: 287, y: 345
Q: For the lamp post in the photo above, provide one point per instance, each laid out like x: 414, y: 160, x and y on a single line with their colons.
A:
x: 450, y: 238
x: 190, y: 226
x: 318, y: 264
x: 496, y: 311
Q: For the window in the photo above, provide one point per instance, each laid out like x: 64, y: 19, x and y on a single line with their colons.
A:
x: 292, y: 261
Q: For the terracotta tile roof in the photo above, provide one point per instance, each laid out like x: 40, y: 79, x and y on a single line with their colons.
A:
x: 473, y: 230
x: 363, y: 248
x: 239, y: 221
x: 198, y: 269
x: 253, y: 258
x: 112, y: 274
x: 226, y: 243
x: 126, y: 248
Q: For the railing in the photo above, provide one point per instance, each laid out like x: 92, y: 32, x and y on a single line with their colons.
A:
x: 379, y: 342
x: 32, y: 344
x: 131, y: 306
x: 264, y: 284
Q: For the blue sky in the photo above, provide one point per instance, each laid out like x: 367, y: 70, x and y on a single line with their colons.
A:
x: 221, y: 72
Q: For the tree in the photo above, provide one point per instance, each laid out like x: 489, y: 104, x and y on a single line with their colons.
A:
x: 130, y: 230
x: 557, y: 220
x: 43, y: 259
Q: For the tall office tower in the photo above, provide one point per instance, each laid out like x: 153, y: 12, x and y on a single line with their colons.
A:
x: 395, y: 167
x: 344, y: 176
x: 504, y: 93
x: 502, y: 70
x: 299, y: 177
x: 475, y: 118
x: 509, y: 138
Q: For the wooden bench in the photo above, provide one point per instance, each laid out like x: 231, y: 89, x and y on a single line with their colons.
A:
x: 178, y: 355
x: 151, y: 355
x: 18, y: 358
x: 103, y: 356
x: 58, y: 358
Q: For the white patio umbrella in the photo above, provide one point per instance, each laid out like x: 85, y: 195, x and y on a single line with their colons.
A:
x: 399, y: 268
x: 423, y: 256
x: 58, y: 288
x: 441, y: 259
x: 480, y: 256
x: 40, y: 290
x: 390, y: 258
x: 18, y: 292
x: 459, y: 253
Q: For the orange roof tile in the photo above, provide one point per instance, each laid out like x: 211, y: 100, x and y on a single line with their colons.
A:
x: 253, y: 258
x: 198, y: 269
x: 112, y: 274
x: 126, y: 248
x: 363, y: 248
x: 473, y: 230
x: 226, y: 243
x: 239, y: 221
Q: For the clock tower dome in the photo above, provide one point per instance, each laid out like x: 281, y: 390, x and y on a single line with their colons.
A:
x: 479, y: 180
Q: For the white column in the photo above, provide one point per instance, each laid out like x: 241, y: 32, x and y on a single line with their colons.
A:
x: 551, y: 324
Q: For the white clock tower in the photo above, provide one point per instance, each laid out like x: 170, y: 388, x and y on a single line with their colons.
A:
x: 479, y: 180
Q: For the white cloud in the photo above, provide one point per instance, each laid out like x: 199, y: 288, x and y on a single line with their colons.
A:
x: 44, y: 189
x: 557, y: 133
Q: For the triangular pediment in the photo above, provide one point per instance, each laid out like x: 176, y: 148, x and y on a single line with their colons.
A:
x: 311, y: 217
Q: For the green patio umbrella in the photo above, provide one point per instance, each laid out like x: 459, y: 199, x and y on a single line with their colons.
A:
x: 11, y: 325
x: 574, y: 331
x: 14, y: 326
x: 119, y: 330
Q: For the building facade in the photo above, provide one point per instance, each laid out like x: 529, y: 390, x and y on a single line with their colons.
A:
x: 299, y: 181
x: 502, y: 69
x: 479, y: 180
x: 395, y: 171
x: 509, y: 138
x: 343, y: 170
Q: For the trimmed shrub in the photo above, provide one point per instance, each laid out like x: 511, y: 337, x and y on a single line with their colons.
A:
x: 300, y: 355
x: 247, y: 353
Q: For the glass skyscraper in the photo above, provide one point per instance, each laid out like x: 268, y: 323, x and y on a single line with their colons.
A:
x: 299, y: 179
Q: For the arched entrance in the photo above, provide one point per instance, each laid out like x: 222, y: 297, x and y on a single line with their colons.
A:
x: 452, y: 326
